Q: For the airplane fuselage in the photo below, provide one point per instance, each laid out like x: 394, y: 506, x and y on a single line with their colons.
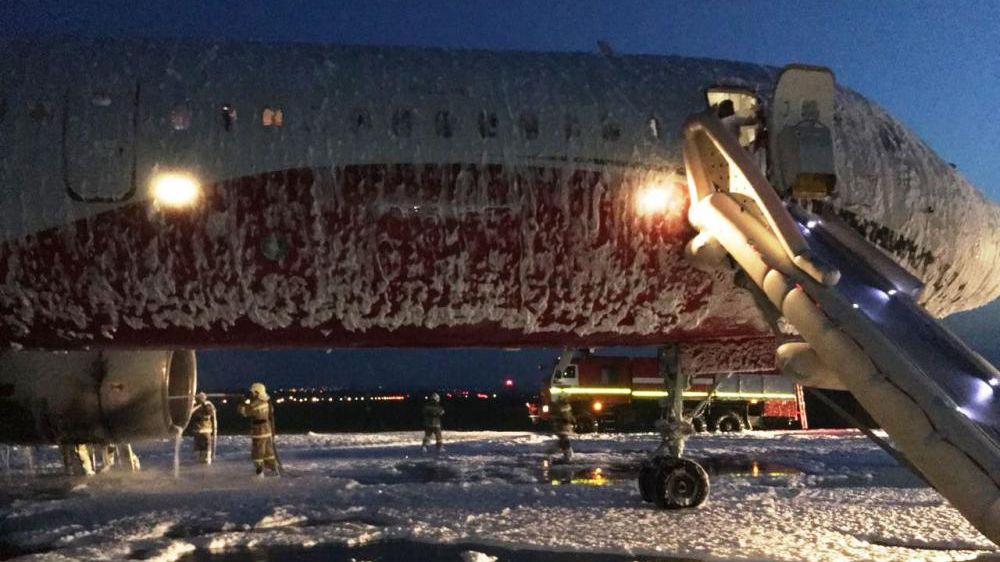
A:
x: 403, y: 197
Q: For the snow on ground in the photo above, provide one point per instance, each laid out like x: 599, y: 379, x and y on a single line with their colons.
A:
x: 809, y: 496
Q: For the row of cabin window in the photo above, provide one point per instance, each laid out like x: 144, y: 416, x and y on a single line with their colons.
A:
x: 488, y: 125
x: 403, y: 123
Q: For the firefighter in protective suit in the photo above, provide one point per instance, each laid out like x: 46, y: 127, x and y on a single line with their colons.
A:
x: 258, y: 408
x: 205, y: 428
x: 432, y: 422
x: 563, y: 423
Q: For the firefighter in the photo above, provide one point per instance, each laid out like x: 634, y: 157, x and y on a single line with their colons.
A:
x: 432, y: 422
x: 76, y: 459
x: 205, y: 428
x: 563, y: 423
x: 120, y: 454
x: 257, y: 407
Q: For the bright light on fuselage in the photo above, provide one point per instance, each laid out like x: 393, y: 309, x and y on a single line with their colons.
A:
x: 175, y: 189
x: 658, y: 199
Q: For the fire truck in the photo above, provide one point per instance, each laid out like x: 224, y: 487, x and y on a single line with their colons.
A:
x: 625, y: 393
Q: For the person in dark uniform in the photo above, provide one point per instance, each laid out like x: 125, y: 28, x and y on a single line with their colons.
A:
x: 432, y: 422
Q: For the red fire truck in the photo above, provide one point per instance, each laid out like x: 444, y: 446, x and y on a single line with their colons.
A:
x: 623, y: 393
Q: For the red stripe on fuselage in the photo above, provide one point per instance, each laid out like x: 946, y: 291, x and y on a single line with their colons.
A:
x: 374, y: 255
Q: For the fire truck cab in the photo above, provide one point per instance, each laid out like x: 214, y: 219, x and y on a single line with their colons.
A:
x: 625, y: 393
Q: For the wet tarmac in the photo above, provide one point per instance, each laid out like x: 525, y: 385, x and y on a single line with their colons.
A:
x: 410, y: 551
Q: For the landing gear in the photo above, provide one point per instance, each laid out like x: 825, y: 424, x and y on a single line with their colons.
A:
x: 667, y: 479
x: 673, y: 483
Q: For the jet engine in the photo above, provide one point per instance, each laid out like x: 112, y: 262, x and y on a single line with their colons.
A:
x: 94, y: 397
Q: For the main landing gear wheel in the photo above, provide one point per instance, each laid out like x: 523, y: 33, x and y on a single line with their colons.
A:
x: 673, y: 483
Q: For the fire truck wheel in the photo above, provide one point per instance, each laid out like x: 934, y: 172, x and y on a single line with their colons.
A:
x: 586, y: 423
x: 680, y: 484
x: 729, y: 423
x: 647, y: 486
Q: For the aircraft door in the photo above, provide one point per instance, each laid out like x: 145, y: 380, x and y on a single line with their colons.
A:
x: 800, y: 127
x: 99, y: 136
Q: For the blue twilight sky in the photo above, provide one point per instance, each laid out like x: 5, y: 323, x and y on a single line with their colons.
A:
x: 935, y: 65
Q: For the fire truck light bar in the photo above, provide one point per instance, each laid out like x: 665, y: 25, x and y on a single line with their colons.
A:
x: 664, y: 394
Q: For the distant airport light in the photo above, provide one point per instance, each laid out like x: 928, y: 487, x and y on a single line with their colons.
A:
x: 811, y: 224
x: 598, y: 406
x: 173, y: 189
x: 891, y: 292
x: 658, y: 199
x: 856, y: 305
x: 509, y: 383
x: 994, y: 382
x: 545, y: 408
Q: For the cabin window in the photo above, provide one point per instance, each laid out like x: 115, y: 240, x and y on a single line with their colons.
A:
x: 653, y: 127
x: 228, y: 113
x: 443, y: 125
x: 39, y: 112
x: 610, y: 130
x: 272, y: 117
x: 100, y: 99
x: 571, y: 126
x: 180, y: 116
x: 402, y: 123
x: 362, y: 121
x: 488, y: 123
x: 529, y: 125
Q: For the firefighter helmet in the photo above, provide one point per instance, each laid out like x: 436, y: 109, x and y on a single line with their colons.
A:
x: 258, y: 390
x: 200, y: 397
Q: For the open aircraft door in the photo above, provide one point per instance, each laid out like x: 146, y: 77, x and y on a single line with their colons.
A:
x: 800, y: 128
x: 100, y: 125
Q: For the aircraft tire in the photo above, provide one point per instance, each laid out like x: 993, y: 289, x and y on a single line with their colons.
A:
x: 680, y: 484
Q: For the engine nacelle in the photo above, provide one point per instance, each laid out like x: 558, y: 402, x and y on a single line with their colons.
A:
x: 94, y: 397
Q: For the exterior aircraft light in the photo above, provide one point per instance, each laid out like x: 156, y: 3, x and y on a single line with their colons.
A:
x: 658, y: 199
x: 174, y: 189
x: 811, y: 224
x: 891, y: 292
x: 994, y: 382
x: 856, y: 305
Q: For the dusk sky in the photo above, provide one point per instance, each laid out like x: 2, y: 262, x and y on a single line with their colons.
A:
x: 934, y: 65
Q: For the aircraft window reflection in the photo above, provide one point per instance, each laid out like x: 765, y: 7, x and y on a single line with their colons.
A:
x: 228, y: 116
x: 488, y: 124
x: 610, y: 131
x: 442, y: 124
x: 272, y: 117
x: 529, y: 125
x: 362, y: 121
x: 571, y: 126
x: 402, y: 123
x: 180, y: 116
